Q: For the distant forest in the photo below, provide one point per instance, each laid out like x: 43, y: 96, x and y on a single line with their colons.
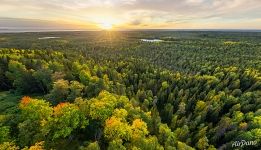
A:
x: 110, y: 90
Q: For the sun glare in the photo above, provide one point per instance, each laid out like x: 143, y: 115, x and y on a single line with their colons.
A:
x: 106, y: 26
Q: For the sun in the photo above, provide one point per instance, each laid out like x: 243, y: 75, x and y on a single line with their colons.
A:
x: 106, y: 26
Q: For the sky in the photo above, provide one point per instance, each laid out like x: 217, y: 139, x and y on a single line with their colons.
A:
x: 130, y: 14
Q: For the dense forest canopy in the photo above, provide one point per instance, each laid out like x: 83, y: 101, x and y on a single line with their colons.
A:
x: 109, y: 90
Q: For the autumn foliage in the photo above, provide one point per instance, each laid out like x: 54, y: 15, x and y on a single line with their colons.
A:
x: 25, y: 100
x: 88, y: 90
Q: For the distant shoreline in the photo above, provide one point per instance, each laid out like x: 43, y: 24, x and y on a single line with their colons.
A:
x: 142, y: 30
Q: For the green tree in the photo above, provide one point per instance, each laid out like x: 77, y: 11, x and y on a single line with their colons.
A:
x: 115, y: 129
x: 76, y: 89
x: 202, y: 143
x: 33, y: 114
x: 8, y: 146
x: 183, y: 146
x: 66, y: 119
x: 23, y: 81
x: 44, y: 80
x: 59, y: 92
x: 91, y: 146
x: 116, y: 144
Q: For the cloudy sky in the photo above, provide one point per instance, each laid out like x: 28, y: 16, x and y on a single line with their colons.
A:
x: 131, y: 14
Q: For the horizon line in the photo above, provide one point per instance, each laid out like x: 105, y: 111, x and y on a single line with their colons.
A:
x: 120, y: 30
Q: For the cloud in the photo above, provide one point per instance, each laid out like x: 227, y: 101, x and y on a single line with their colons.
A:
x: 134, y: 12
x: 24, y: 24
x: 195, y: 1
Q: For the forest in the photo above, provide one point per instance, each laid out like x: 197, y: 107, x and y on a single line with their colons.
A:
x: 99, y: 90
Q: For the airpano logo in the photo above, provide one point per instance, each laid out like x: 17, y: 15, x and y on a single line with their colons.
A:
x: 243, y: 143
